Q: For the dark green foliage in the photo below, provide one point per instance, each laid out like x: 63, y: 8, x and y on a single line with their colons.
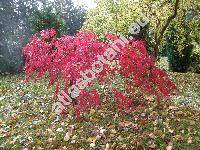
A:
x: 179, y: 41
x: 74, y: 16
x: 179, y: 56
x: 47, y: 18
x: 195, y: 58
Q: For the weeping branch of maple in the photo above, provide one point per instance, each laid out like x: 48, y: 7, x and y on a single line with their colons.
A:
x: 168, y: 21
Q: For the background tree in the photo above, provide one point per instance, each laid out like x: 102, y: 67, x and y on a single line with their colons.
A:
x: 111, y: 16
x: 180, y: 39
x: 47, y: 18
x: 117, y: 16
x: 73, y: 15
x: 13, y: 32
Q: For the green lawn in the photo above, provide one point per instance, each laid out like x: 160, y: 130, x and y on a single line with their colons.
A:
x: 27, y: 120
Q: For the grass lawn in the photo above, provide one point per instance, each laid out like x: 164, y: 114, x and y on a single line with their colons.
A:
x: 27, y: 120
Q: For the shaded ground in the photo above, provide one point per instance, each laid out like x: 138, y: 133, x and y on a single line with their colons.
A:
x: 27, y: 120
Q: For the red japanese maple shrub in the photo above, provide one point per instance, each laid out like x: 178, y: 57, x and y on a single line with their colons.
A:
x: 66, y: 57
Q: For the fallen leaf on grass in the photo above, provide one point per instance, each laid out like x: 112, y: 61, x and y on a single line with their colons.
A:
x: 92, y: 111
x: 39, y: 142
x: 107, y: 146
x: 59, y: 130
x: 173, y: 107
x: 158, y: 133
x: 189, y: 140
x: 170, y: 146
x: 92, y: 139
x: 142, y: 122
x: 153, y: 146
x: 178, y: 137
x: 92, y: 145
x: 151, y: 135
x: 67, y: 136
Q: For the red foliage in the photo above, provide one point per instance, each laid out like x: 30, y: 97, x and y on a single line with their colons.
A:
x: 67, y: 56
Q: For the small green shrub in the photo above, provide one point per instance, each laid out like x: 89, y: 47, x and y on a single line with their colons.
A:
x: 179, y: 48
